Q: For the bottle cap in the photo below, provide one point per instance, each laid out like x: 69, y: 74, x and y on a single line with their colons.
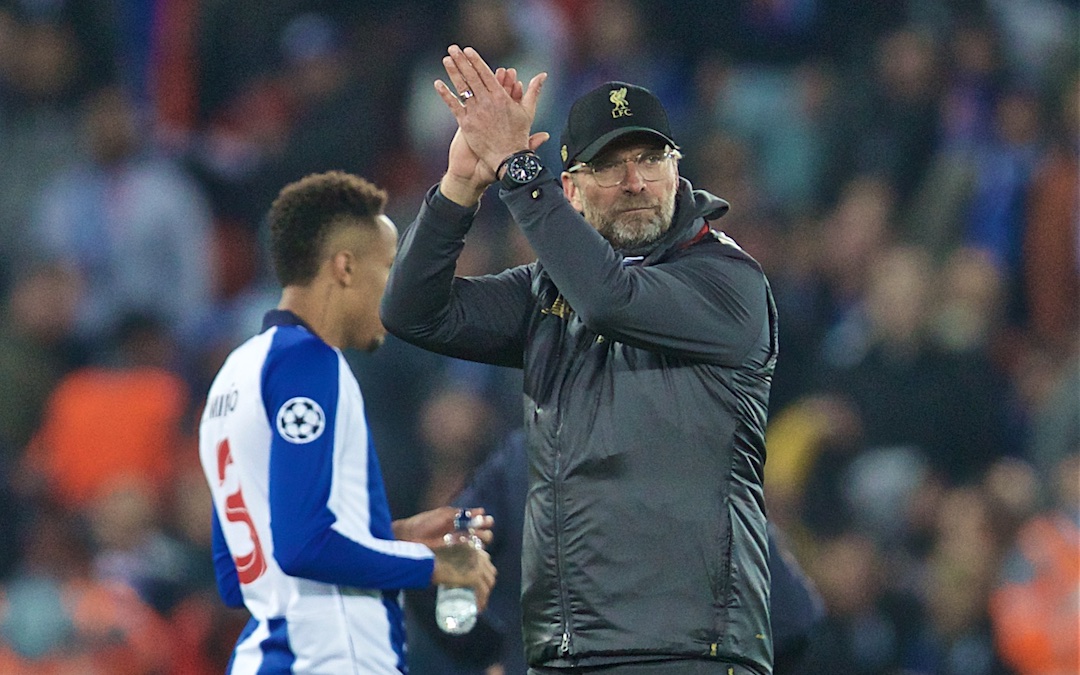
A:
x: 462, y: 520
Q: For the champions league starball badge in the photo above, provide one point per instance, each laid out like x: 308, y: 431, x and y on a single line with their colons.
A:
x: 300, y: 420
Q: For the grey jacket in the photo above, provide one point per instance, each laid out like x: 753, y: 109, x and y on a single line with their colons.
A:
x: 647, y: 379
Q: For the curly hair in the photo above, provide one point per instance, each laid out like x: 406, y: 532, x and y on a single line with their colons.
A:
x: 305, y: 211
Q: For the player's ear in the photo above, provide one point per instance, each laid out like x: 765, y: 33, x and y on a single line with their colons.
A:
x: 343, y: 264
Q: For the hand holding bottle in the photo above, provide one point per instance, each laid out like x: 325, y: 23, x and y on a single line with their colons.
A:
x: 465, y: 576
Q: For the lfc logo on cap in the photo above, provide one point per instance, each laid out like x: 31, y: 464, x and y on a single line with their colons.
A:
x: 618, y: 99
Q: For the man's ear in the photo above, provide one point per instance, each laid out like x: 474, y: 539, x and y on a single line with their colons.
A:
x: 570, y: 189
x: 343, y: 264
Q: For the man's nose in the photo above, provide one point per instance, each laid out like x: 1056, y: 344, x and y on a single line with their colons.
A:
x: 633, y: 181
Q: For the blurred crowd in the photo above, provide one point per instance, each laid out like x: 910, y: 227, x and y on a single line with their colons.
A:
x: 906, y: 171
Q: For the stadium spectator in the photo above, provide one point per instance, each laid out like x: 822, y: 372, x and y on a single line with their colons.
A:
x: 1050, y: 258
x: 37, y: 349
x: 57, y: 616
x: 46, y: 64
x: 106, y: 423
x: 1034, y: 605
x: 132, y: 222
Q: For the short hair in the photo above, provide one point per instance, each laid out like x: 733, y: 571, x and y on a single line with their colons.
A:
x: 304, y: 213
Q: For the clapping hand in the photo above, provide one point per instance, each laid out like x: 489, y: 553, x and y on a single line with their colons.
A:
x: 494, y: 118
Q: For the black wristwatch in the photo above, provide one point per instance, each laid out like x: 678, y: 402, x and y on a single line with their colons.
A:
x: 521, y: 167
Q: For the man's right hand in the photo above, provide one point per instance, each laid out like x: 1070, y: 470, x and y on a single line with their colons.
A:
x: 462, y: 564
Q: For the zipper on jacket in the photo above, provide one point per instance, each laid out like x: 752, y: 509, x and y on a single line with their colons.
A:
x: 564, y: 646
x: 579, y: 346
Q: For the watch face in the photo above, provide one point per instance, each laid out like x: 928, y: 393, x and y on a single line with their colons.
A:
x: 523, y: 168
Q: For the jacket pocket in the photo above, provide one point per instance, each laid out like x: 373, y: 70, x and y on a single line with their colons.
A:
x: 721, y: 568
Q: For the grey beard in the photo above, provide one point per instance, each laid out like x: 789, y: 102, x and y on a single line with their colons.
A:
x: 623, y: 236
x: 627, y: 237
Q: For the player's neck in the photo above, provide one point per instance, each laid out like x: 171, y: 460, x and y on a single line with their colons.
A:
x: 314, y: 307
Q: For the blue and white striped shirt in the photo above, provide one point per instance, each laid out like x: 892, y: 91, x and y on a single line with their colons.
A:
x: 302, y: 528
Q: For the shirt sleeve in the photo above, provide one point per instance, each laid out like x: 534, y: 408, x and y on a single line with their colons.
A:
x: 301, y: 387
x: 224, y: 568
x: 480, y: 319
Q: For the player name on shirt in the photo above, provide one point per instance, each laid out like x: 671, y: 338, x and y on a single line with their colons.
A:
x: 222, y: 404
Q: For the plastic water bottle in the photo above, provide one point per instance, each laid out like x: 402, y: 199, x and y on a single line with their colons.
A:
x: 455, y: 608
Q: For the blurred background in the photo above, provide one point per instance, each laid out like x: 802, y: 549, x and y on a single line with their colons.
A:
x: 905, y: 171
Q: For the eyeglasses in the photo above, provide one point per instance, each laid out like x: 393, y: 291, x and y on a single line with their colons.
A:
x: 650, y: 165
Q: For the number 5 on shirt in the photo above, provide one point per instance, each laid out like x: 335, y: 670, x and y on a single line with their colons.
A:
x: 250, y: 566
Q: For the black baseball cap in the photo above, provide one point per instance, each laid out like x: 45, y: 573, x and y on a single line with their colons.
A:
x: 610, y: 111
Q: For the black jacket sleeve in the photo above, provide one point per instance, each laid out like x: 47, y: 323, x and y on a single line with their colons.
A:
x: 476, y: 318
x: 701, y: 303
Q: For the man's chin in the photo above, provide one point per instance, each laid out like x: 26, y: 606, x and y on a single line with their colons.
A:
x: 624, y: 237
x: 375, y: 343
x: 368, y: 346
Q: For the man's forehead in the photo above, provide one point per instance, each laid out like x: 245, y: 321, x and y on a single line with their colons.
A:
x: 628, y: 147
